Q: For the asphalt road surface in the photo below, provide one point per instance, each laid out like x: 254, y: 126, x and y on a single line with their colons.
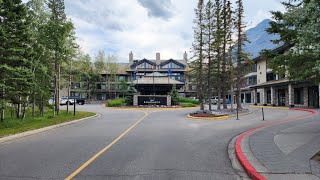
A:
x: 127, y: 144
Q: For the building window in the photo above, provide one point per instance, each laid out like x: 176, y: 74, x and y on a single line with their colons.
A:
x: 298, y: 96
x: 98, y: 86
x: 268, y: 96
x: 271, y: 77
x: 145, y: 66
x: 251, y: 80
x: 171, y: 65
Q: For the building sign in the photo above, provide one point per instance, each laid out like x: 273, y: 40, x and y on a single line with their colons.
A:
x: 152, y: 100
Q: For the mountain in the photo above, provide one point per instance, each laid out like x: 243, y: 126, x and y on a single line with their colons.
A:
x: 259, y: 39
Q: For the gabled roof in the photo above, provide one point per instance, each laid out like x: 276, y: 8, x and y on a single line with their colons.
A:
x: 280, y: 49
x: 142, y: 61
x: 172, y: 60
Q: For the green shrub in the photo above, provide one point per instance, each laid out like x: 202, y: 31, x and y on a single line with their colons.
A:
x: 188, y: 100
x: 174, y: 95
x: 187, y: 105
x: 116, y: 102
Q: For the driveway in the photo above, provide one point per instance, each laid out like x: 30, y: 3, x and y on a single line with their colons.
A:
x: 126, y: 144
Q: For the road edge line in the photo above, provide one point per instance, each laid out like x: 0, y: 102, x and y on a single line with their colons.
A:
x: 246, y: 165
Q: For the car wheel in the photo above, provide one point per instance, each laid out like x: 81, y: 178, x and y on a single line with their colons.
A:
x: 81, y: 103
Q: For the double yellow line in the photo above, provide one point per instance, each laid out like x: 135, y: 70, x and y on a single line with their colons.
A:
x: 84, y: 165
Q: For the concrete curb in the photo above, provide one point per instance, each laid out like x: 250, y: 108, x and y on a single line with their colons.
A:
x: 207, y: 118
x: 145, y: 109
x: 240, y: 154
x: 36, y: 131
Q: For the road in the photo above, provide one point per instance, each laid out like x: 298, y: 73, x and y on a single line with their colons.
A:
x: 162, y: 145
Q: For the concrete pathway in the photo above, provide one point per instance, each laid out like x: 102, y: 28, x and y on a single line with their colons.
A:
x: 284, y: 151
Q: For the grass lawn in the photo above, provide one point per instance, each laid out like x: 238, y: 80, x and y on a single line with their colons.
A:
x: 12, y: 126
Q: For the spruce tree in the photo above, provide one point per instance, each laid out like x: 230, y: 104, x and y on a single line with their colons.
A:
x: 198, y: 45
x: 131, y: 91
x: 15, y: 53
x: 59, y: 30
x: 209, y: 30
x: 241, y: 56
x: 174, y: 95
x: 298, y: 28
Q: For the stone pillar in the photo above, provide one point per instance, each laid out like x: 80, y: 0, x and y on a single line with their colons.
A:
x: 255, y: 96
x: 273, y: 103
x: 264, y: 96
x: 135, y: 100
x: 168, y: 100
x: 291, y: 95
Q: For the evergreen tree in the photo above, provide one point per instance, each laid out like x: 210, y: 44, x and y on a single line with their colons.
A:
x: 240, y: 55
x: 59, y: 30
x: 15, y: 53
x: 131, y: 91
x: 298, y: 28
x: 226, y: 30
x: 174, y: 95
x: 209, y: 33
x: 198, y: 45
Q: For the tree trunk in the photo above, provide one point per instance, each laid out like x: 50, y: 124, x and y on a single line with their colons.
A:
x: 232, y: 96
x: 33, y: 104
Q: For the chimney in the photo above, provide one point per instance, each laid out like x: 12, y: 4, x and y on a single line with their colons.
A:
x: 185, y: 56
x: 131, y: 58
x: 157, y: 58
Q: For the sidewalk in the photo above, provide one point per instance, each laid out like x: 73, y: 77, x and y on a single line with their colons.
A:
x: 284, y: 151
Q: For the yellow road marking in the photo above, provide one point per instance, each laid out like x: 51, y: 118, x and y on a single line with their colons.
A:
x: 272, y: 107
x: 84, y: 165
x: 207, y: 118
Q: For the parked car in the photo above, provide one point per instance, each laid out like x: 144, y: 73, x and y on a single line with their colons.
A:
x: 66, y: 100
x: 214, y: 100
x: 80, y: 101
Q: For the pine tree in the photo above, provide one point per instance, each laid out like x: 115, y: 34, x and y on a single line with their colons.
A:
x: 15, y: 52
x: 59, y: 29
x: 198, y: 45
x: 241, y: 56
x: 226, y: 31
x: 209, y: 30
x: 218, y: 49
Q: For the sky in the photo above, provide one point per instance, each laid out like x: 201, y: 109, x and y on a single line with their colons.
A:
x: 145, y: 27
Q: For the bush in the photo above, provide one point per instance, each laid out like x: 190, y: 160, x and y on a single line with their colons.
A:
x: 187, y: 105
x: 116, y: 102
x: 187, y: 100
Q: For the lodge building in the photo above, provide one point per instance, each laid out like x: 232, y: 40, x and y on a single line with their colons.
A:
x: 263, y: 87
x: 149, y: 76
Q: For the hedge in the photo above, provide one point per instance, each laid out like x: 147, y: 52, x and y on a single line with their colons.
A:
x: 115, y: 102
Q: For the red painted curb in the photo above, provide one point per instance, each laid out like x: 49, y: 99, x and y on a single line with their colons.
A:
x: 250, y: 170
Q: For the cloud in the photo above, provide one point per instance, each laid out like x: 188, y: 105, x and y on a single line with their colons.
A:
x: 160, y: 9
x: 144, y: 26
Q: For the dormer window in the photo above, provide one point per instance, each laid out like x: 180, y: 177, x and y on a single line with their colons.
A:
x: 145, y: 66
x: 171, y: 65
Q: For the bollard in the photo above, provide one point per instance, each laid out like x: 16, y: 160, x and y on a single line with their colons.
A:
x: 74, y: 107
x: 262, y: 115
x: 237, y: 113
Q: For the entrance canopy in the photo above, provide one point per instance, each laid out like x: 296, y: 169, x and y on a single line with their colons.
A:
x: 159, y: 85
